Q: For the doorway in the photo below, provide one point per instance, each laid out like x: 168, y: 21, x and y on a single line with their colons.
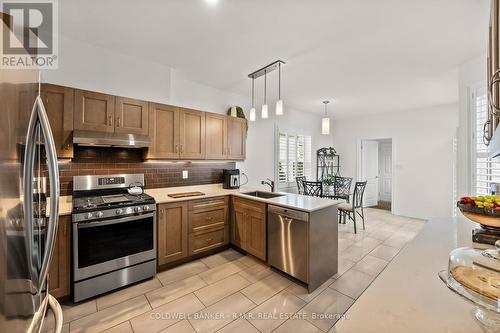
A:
x: 375, y: 167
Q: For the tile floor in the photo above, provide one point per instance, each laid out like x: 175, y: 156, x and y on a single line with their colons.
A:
x: 230, y: 292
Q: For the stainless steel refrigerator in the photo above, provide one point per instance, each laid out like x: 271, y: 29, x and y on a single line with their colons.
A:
x: 28, y: 218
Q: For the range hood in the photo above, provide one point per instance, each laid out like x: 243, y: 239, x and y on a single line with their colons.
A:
x: 103, y: 139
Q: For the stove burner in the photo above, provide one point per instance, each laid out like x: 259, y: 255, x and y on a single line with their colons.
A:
x: 115, y: 198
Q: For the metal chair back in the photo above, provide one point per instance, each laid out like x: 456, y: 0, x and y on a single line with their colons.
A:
x: 342, y: 186
x: 300, y: 184
x: 314, y: 189
x: 357, y: 197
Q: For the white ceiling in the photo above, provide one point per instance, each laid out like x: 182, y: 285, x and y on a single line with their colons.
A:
x: 369, y: 55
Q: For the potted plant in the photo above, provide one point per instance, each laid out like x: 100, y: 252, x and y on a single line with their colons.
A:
x: 331, y: 152
x: 329, y: 182
x: 239, y: 113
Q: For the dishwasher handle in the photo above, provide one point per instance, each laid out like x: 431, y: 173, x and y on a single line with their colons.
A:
x: 287, y: 212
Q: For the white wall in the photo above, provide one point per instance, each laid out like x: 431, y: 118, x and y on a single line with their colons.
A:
x: 259, y: 164
x: 89, y: 67
x: 422, y: 153
x: 471, y: 73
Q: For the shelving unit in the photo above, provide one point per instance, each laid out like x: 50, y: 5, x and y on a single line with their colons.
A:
x: 327, y: 164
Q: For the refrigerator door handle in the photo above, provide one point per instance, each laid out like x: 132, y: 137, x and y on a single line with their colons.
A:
x: 28, y: 174
x: 39, y: 115
x: 53, y: 170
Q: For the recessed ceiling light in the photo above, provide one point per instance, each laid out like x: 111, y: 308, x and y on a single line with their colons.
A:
x: 212, y: 2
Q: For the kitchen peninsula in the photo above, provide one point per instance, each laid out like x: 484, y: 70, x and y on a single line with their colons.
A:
x: 408, y: 296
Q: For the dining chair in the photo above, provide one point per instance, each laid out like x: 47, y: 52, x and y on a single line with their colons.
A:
x: 342, y: 186
x: 300, y: 184
x: 350, y: 210
x: 314, y: 189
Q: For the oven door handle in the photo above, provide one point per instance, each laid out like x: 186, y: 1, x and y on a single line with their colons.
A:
x: 114, y: 221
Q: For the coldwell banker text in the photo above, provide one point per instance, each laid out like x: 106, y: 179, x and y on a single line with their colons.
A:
x: 29, y: 34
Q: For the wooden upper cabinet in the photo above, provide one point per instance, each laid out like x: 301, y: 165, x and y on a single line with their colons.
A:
x: 236, y: 138
x: 58, y: 102
x: 131, y: 116
x: 164, y: 131
x: 94, y: 111
x: 192, y: 134
x: 172, y: 232
x: 216, y: 136
x: 60, y: 268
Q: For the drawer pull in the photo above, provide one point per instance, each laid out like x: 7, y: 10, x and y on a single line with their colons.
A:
x: 208, y: 239
x: 209, y: 218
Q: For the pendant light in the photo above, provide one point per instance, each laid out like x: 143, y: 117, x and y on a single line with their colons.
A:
x: 325, y: 122
x: 252, y: 110
x: 279, y: 102
x: 264, y: 113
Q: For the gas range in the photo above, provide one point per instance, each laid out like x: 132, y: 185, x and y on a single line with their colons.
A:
x: 114, y: 234
x: 107, y: 202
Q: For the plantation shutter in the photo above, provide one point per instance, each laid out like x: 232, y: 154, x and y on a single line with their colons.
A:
x: 294, y: 158
x: 486, y: 171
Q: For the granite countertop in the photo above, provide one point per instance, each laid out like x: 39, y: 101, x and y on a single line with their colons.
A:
x: 408, y: 295
x: 288, y: 200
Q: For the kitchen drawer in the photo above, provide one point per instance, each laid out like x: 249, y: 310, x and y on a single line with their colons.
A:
x: 207, y: 240
x: 201, y: 219
x: 208, y: 204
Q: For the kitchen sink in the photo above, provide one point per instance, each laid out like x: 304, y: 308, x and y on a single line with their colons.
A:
x: 265, y: 195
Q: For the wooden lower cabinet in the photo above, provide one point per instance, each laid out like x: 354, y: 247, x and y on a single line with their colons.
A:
x: 248, y: 228
x: 172, y: 232
x: 207, y: 239
x: 208, y: 224
x: 60, y: 266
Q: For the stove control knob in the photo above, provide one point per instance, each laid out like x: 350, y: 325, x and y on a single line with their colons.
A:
x: 145, y: 207
x: 99, y: 214
x: 137, y: 209
x: 88, y: 216
x: 119, y: 211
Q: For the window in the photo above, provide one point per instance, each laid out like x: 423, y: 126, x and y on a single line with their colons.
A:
x: 294, y: 158
x: 485, y: 170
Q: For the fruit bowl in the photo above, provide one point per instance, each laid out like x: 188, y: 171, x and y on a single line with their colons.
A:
x: 486, y: 216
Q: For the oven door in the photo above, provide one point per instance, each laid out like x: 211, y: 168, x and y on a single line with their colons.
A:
x: 108, y: 245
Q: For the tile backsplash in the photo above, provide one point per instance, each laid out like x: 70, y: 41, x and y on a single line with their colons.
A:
x: 105, y: 161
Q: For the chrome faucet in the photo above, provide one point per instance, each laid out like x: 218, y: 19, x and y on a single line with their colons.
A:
x: 268, y: 182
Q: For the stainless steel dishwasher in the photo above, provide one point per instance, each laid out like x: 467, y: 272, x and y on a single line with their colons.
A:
x: 288, y: 241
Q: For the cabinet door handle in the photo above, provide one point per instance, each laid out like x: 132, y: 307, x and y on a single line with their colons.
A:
x: 110, y: 120
x: 118, y: 122
x: 176, y: 149
x: 65, y: 231
x: 182, y: 150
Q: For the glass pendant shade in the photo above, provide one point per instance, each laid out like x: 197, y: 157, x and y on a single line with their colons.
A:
x: 252, y: 114
x: 279, y: 107
x: 325, y: 126
x: 264, y: 113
